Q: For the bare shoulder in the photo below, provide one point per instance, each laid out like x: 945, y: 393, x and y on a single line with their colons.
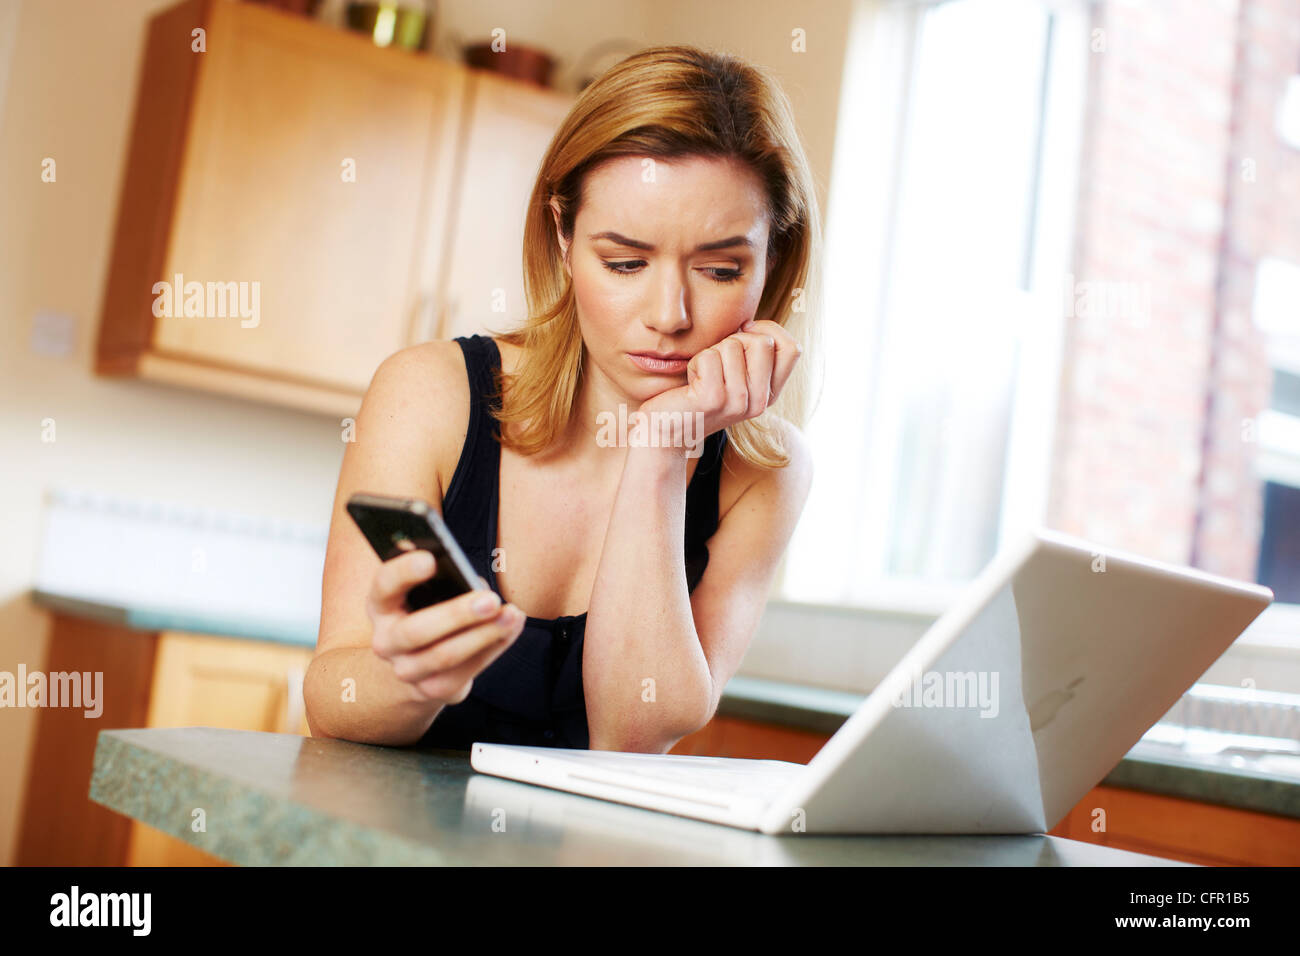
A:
x: 429, y: 364
x: 425, y: 378
x: 417, y: 407
x: 792, y: 481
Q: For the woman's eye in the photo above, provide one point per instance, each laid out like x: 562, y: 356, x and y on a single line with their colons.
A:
x: 614, y: 267
x: 717, y: 274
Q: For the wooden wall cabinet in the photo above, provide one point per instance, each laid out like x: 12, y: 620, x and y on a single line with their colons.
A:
x: 508, y: 128
x: 353, y: 188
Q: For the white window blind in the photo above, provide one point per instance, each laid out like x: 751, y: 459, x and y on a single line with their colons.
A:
x: 948, y: 240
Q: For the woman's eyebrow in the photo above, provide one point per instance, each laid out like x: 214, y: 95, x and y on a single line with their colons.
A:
x: 702, y: 247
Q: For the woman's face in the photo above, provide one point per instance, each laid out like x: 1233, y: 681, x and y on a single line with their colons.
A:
x: 643, y: 275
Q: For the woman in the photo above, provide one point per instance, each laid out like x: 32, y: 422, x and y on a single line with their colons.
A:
x: 673, y: 214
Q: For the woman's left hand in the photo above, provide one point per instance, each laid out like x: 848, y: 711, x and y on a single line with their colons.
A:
x: 734, y: 380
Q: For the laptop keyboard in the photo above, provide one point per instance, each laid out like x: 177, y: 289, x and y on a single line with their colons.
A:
x: 724, y: 776
x: 757, y: 781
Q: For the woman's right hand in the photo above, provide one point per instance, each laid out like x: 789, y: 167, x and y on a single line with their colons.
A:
x: 439, y: 649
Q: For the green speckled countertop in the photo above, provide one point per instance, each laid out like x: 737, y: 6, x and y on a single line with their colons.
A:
x: 272, y: 799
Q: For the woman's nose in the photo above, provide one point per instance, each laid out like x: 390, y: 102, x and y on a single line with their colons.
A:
x: 670, y: 312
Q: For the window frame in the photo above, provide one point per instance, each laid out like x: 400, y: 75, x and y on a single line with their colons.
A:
x: 881, y: 68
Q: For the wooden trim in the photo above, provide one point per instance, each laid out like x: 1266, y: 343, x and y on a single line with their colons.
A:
x: 117, y: 364
x: 1180, y: 829
x: 460, y: 156
x: 159, y: 133
x: 61, y: 826
x: 438, y: 202
x: 735, y: 737
x: 247, y: 385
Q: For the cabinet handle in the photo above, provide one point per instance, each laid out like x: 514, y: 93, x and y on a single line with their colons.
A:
x: 294, y: 706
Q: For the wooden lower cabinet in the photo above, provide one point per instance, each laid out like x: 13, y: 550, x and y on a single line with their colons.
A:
x: 60, y: 825
x: 732, y: 737
x: 204, y: 681
x: 151, y: 679
x: 1170, y: 827
x: 1181, y: 829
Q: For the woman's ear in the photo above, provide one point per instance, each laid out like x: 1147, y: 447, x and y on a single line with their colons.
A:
x: 559, y: 235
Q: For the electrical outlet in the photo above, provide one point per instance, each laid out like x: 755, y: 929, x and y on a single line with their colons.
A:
x: 53, y: 334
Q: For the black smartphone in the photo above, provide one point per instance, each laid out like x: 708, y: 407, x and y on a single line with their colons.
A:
x: 396, y: 525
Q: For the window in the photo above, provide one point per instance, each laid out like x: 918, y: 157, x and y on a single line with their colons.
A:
x: 1279, y: 547
x: 1288, y: 114
x: 948, y: 234
x: 1276, y: 309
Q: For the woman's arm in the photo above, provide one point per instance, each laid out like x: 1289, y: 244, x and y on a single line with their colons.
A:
x: 384, y: 710
x: 643, y: 672
x: 414, y: 413
x: 655, y: 656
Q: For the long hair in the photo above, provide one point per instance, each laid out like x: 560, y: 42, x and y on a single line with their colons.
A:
x: 667, y: 102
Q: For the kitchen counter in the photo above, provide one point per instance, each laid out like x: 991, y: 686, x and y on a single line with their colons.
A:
x: 273, y: 799
x: 1246, y: 783
x: 150, y: 617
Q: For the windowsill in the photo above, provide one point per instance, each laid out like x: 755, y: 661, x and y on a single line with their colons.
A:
x: 849, y: 649
x: 916, y: 607
x: 1277, y: 628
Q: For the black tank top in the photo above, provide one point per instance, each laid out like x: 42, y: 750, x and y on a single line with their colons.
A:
x: 532, y: 694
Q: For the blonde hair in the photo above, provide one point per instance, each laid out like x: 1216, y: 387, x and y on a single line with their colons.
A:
x: 667, y: 102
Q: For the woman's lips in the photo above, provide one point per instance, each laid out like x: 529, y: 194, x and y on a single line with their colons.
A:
x: 659, y: 366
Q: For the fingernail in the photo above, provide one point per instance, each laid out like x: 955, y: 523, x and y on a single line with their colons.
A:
x: 424, y: 564
x: 485, y: 602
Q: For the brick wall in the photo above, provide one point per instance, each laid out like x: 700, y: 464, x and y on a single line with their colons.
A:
x: 1161, y: 364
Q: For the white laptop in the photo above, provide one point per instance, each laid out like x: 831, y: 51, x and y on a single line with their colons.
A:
x: 1023, y: 696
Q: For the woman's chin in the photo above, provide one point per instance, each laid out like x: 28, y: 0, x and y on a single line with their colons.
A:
x: 645, y: 394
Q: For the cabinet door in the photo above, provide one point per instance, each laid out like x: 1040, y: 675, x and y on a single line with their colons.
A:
x: 284, y: 110
x: 205, y: 681
x: 510, y: 128
x: 202, y: 681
